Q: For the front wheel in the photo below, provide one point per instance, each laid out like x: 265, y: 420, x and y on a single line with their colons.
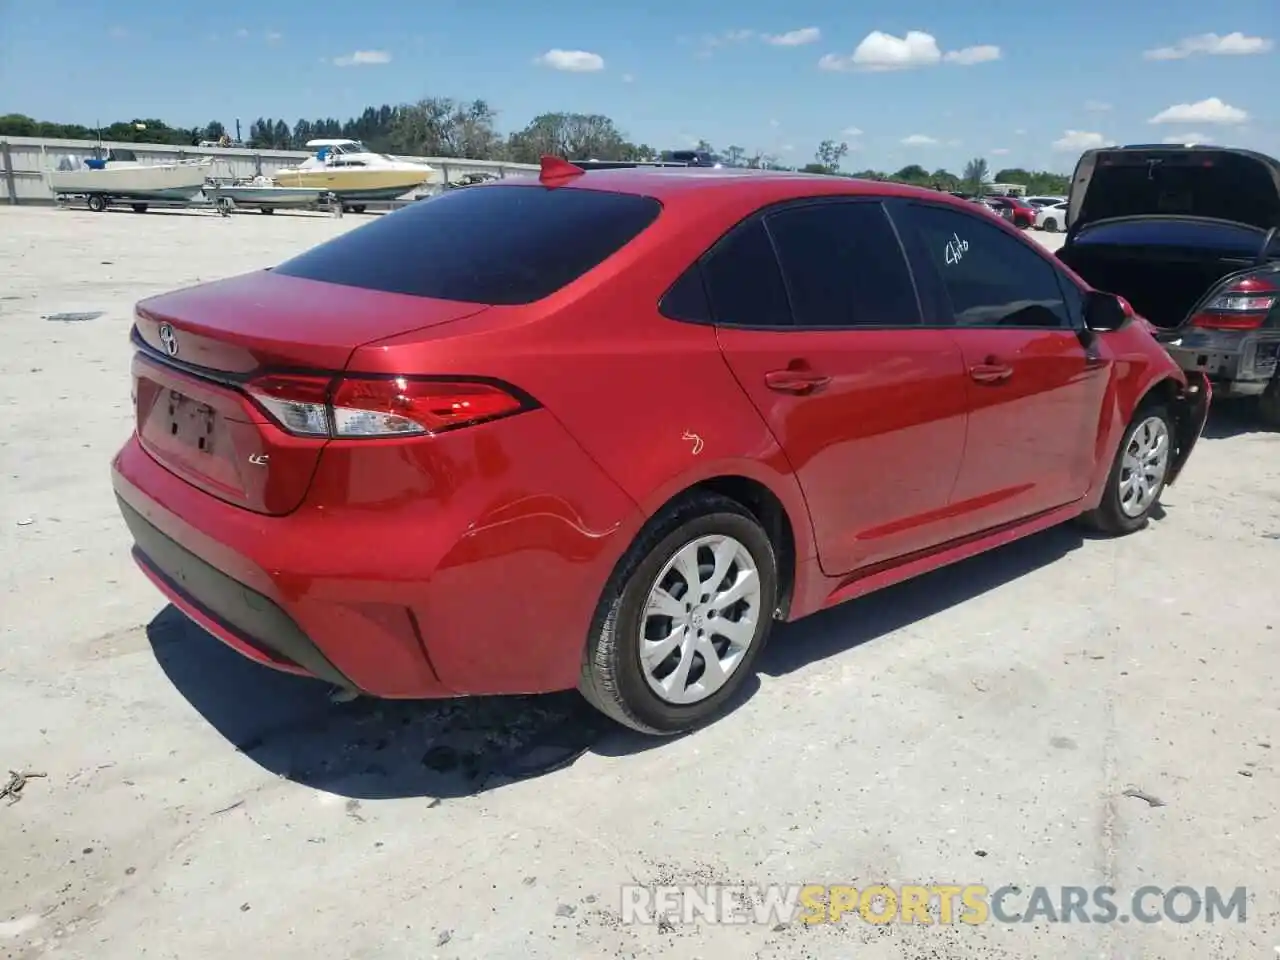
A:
x: 684, y: 618
x: 1051, y: 225
x: 1138, y: 475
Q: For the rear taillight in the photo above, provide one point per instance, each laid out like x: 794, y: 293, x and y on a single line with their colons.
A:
x: 1242, y: 306
x: 313, y: 406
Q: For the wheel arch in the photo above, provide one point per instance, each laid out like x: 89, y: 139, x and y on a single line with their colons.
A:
x: 1187, y: 399
x: 782, y: 515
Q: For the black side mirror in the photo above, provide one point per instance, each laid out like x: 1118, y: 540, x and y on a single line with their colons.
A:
x: 1103, y: 312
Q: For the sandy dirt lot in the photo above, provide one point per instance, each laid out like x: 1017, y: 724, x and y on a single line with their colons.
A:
x: 988, y: 724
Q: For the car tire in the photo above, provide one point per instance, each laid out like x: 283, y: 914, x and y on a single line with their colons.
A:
x: 614, y: 679
x: 1050, y: 225
x: 1113, y: 516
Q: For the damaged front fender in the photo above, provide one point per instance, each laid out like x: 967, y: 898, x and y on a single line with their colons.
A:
x: 1190, y: 411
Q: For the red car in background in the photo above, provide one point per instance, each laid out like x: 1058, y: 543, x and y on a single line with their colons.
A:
x: 1014, y: 209
x: 602, y: 429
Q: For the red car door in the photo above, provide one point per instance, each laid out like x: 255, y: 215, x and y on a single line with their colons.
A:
x: 869, y: 405
x: 1035, y: 391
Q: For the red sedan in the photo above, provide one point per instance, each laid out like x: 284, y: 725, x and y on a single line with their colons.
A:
x: 1014, y: 209
x: 602, y: 429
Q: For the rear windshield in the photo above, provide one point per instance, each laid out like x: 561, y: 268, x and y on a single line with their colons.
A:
x: 497, y: 244
x: 1227, y: 238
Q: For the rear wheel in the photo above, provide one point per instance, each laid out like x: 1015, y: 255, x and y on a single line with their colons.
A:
x: 1050, y: 225
x: 1138, y: 476
x: 139, y: 208
x: 683, y: 619
x: 358, y: 208
x: 96, y: 202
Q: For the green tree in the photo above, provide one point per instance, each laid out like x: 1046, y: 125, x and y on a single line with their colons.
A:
x: 976, y: 175
x: 828, y: 156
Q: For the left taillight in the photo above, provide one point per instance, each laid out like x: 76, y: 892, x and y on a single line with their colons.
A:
x: 1243, y: 305
x: 353, y: 407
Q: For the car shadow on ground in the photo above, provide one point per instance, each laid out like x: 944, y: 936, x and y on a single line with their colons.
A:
x: 1234, y: 418
x: 370, y: 749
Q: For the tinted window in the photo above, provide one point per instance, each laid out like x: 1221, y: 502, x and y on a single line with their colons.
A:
x: 844, y: 266
x: 500, y: 244
x: 743, y: 281
x: 687, y: 298
x: 991, y: 278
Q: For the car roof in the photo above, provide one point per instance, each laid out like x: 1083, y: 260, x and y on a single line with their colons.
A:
x: 737, y: 185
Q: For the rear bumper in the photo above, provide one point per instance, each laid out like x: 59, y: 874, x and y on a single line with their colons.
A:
x: 239, y: 616
x: 1239, y: 363
x: 411, y: 571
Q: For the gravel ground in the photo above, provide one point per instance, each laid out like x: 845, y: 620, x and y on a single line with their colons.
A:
x: 981, y: 725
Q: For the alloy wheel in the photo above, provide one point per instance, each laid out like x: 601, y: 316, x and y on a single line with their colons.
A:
x: 1144, y: 466
x: 700, y: 618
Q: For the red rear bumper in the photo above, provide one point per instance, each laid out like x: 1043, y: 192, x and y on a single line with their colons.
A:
x: 470, y: 563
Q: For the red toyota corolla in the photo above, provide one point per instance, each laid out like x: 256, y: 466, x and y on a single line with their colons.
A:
x: 601, y: 429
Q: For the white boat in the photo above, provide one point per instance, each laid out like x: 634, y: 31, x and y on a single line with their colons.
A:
x: 265, y: 194
x: 122, y: 177
x: 353, y: 172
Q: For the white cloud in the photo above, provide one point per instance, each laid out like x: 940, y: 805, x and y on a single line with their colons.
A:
x: 795, y: 38
x: 1077, y: 141
x: 1020, y: 132
x: 1000, y: 152
x: 1211, y: 110
x: 571, y: 61
x: 1211, y: 44
x: 918, y: 140
x: 362, y: 58
x: 241, y: 32
x: 274, y: 36
x: 955, y: 143
x: 775, y: 124
x: 788, y: 148
x: 628, y: 78
x: 1096, y: 106
x: 968, y: 56
x: 1186, y: 138
x: 881, y: 51
x: 118, y: 33
x: 725, y: 39
x: 851, y: 132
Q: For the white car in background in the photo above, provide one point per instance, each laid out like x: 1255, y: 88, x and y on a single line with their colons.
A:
x: 1052, y: 217
x: 1046, y: 201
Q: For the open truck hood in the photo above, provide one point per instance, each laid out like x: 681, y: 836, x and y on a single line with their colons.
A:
x: 1219, y: 183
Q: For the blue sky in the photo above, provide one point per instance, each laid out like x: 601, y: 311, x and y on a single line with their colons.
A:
x: 996, y: 78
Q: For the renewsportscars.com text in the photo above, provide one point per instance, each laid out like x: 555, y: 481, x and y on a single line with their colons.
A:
x: 929, y: 904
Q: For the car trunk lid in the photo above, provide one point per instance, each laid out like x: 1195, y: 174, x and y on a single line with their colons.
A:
x: 1212, y: 182
x: 201, y: 349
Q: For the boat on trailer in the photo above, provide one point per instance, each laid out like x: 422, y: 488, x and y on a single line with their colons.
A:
x: 122, y: 178
x: 265, y: 194
x: 355, y: 174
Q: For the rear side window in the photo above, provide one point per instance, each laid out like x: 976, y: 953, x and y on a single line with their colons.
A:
x: 743, y: 281
x: 500, y: 244
x: 844, y: 266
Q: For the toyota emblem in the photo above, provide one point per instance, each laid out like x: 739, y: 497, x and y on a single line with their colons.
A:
x: 169, y: 339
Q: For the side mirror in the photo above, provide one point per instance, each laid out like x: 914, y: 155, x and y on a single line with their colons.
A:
x: 1104, y: 312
